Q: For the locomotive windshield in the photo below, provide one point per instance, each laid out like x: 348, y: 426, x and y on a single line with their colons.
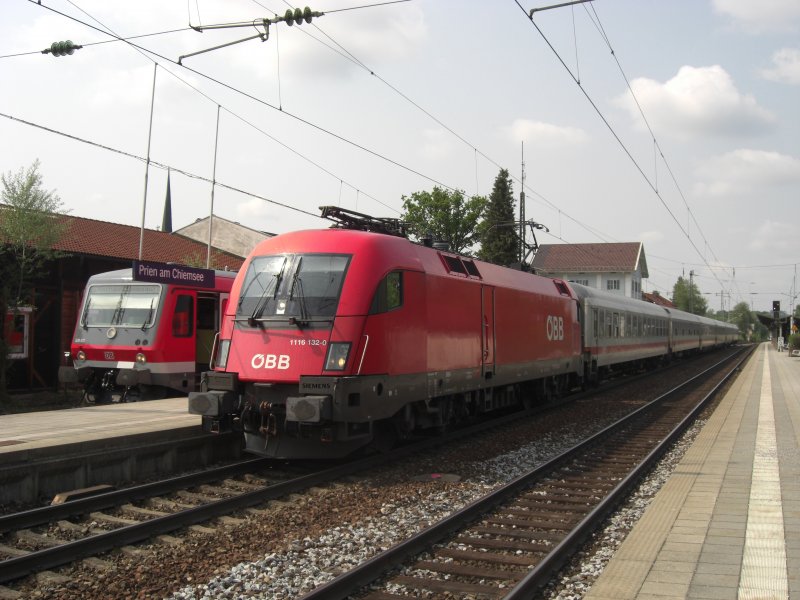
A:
x: 303, y: 286
x: 121, y: 305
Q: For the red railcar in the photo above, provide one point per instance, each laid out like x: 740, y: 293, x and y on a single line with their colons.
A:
x: 333, y: 338
x: 144, y: 337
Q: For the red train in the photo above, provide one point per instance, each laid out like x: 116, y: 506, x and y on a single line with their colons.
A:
x: 337, y: 338
x: 146, y: 332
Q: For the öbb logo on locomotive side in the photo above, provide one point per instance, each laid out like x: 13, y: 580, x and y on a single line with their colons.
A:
x: 270, y: 361
x: 555, y: 328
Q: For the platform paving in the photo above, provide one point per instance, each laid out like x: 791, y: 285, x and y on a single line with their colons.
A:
x: 727, y: 523
x: 50, y: 452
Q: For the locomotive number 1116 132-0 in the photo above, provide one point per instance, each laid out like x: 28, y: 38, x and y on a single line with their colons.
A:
x: 304, y: 342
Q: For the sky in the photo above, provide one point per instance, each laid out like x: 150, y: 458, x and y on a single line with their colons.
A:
x: 674, y: 123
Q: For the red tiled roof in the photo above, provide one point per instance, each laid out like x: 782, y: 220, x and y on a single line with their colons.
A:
x: 591, y: 258
x: 101, y: 238
x: 657, y: 299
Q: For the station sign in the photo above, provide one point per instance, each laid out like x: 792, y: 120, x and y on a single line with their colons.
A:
x: 156, y: 272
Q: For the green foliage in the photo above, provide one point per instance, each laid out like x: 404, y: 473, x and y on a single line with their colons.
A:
x: 28, y: 231
x: 686, y: 297
x: 794, y: 341
x: 744, y: 319
x: 445, y: 216
x: 499, y: 238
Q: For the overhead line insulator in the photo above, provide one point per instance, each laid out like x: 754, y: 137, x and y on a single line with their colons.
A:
x: 61, y: 48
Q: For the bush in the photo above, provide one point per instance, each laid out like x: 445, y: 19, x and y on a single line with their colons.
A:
x: 794, y: 341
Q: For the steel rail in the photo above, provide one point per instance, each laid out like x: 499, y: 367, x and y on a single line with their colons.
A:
x: 553, y: 561
x: 17, y: 567
x: 50, y: 513
x: 372, y: 569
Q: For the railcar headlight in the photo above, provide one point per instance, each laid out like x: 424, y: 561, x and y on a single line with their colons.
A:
x: 80, y: 355
x: 140, y: 359
x: 337, y: 356
x: 222, y: 353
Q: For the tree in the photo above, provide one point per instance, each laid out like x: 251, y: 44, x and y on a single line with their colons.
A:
x: 686, y: 296
x: 744, y: 319
x: 28, y: 231
x: 446, y: 216
x: 499, y: 237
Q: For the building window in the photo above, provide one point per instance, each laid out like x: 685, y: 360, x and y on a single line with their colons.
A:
x: 580, y: 281
x: 612, y: 284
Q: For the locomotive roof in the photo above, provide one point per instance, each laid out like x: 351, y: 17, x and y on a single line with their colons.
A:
x: 379, y: 253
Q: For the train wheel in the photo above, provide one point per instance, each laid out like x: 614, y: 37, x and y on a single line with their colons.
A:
x: 152, y: 392
x: 384, y: 436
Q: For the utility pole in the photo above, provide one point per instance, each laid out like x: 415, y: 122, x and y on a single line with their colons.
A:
x: 691, y: 292
x: 521, y: 252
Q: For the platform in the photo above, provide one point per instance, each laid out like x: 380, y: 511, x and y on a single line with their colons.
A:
x: 727, y: 523
x: 44, y: 453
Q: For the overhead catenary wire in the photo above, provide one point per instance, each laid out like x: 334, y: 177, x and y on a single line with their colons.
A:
x: 625, y: 149
x: 354, y: 59
x: 234, y: 89
x: 157, y: 164
x: 593, y: 231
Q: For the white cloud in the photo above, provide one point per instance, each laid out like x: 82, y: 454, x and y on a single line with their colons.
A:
x: 647, y: 237
x: 374, y: 37
x: 786, y: 67
x: 744, y: 170
x: 437, y: 144
x: 121, y: 87
x: 545, y: 134
x: 774, y: 236
x: 764, y: 15
x: 252, y: 208
x: 698, y: 101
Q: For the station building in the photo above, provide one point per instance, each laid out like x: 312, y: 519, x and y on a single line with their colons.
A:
x: 617, y: 268
x: 42, y: 332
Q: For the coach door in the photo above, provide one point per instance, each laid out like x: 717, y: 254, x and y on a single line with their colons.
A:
x: 487, y: 330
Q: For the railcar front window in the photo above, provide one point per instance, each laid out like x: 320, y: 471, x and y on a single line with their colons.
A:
x: 123, y: 305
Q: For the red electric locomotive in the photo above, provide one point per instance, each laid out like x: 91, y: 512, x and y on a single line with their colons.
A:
x: 335, y: 338
x: 146, y: 332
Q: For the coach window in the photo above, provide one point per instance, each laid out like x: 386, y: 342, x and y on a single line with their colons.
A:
x: 183, y: 319
x: 594, y: 322
x: 616, y: 325
x: 389, y: 294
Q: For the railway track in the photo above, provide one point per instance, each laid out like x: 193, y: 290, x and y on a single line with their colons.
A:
x: 51, y: 536
x: 509, y: 543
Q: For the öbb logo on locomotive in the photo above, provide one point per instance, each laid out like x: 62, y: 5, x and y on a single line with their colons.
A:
x: 555, y: 328
x: 270, y: 361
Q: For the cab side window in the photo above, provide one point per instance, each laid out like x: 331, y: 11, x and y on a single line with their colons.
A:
x: 389, y: 294
x: 183, y: 319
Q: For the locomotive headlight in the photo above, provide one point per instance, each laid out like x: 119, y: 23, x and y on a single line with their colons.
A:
x: 222, y: 353
x: 337, y: 356
x: 80, y: 355
x: 140, y: 359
